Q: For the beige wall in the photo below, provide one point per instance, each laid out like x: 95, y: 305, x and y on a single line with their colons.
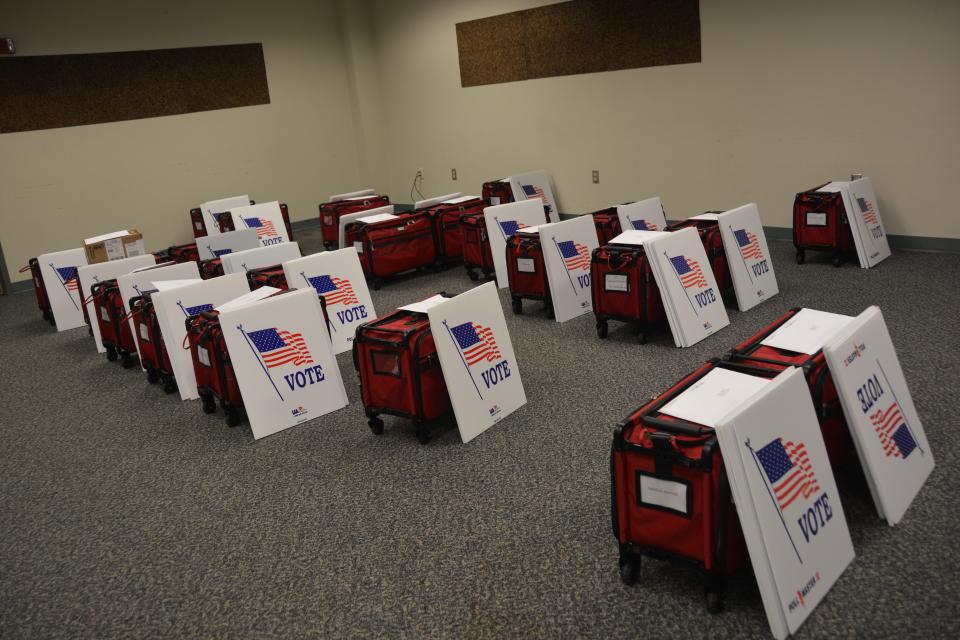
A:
x: 59, y: 186
x: 789, y: 94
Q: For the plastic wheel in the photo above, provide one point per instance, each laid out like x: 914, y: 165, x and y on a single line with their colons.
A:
x: 473, y: 275
x: 837, y: 261
x: 111, y: 354
x: 436, y: 267
x: 801, y: 256
x: 152, y: 376
x: 642, y: 338
x: 376, y: 425
x: 233, y: 417
x: 423, y: 434
x: 714, y: 602
x: 550, y: 313
x: 209, y: 404
x: 169, y: 386
x: 629, y: 572
x: 375, y: 284
x: 603, y: 328
x: 127, y: 360
x: 517, y: 304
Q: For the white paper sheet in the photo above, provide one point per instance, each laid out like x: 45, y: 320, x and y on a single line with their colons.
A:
x: 247, y: 298
x: 714, y: 396
x: 636, y: 237
x: 807, y: 331
x: 424, y: 305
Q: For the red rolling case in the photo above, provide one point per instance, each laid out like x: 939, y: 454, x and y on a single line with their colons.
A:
x: 624, y: 289
x: 393, y: 246
x: 477, y: 255
x: 183, y: 253
x: 446, y: 226
x: 272, y: 276
x: 526, y: 272
x: 497, y: 192
x: 712, y: 240
x: 820, y: 224
x: 836, y: 434
x: 330, y: 213
x: 39, y: 290
x: 400, y: 372
x: 198, y: 224
x: 211, y: 268
x: 112, y: 320
x: 227, y: 223
x: 653, y: 453
x: 607, y: 223
x: 153, y: 353
x: 216, y: 379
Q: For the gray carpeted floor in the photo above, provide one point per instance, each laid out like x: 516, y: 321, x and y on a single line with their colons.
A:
x: 127, y: 513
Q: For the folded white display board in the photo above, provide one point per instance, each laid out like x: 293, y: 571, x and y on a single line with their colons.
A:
x: 243, y: 261
x: 178, y: 301
x: 807, y: 331
x: 477, y: 357
x: 257, y: 294
x: 533, y: 185
x: 687, y: 286
x: 283, y: 361
x: 140, y: 281
x: 748, y: 256
x: 102, y: 271
x: 265, y: 219
x: 883, y: 420
x: 350, y: 217
x: 429, y: 202
x: 210, y: 247
x: 863, y: 214
x: 212, y: 209
x: 353, y: 195
x: 567, y: 247
x: 503, y: 221
x: 646, y: 215
x: 58, y: 271
x: 786, y: 497
x: 338, y: 277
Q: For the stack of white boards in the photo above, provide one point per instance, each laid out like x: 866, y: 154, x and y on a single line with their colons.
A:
x: 863, y: 214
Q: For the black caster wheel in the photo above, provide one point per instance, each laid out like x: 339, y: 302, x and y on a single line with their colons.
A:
x: 473, y: 275
x: 436, y: 267
x: 801, y: 256
x: 603, y: 328
x: 423, y: 435
x: 111, y: 354
x: 642, y: 338
x: 837, y: 261
x: 375, y: 284
x: 169, y: 386
x: 233, y: 417
x: 629, y: 572
x: 517, y: 304
x: 127, y: 360
x: 209, y: 404
x: 152, y: 376
x: 550, y: 313
x: 714, y: 602
x: 376, y: 425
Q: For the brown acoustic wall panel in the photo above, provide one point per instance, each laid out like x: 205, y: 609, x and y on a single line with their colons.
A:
x: 583, y: 36
x: 47, y: 92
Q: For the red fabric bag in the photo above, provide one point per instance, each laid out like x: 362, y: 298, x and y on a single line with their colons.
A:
x: 39, y: 290
x: 820, y: 223
x: 446, y: 225
x: 393, y: 246
x: 112, y: 321
x: 526, y: 271
x: 272, y: 276
x: 624, y: 289
x: 216, y: 379
x: 607, y: 223
x: 331, y: 212
x: 183, y: 253
x: 153, y: 353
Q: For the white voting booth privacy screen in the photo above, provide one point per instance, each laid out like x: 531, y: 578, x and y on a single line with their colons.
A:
x: 338, y: 277
x: 140, y: 281
x: 210, y: 247
x: 476, y: 354
x: 883, y: 420
x: 283, y: 360
x: 863, y: 214
x: 533, y: 185
x: 430, y: 202
x: 567, y: 247
x: 58, y: 271
x: 783, y: 486
x: 748, y: 257
x: 375, y: 215
x: 351, y: 195
x: 212, y: 209
x: 646, y: 215
x: 265, y: 219
x: 503, y: 221
x: 93, y: 273
x: 243, y: 261
x: 178, y: 300
x: 687, y: 285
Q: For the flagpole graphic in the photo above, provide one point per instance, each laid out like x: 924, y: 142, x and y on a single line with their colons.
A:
x: 310, y: 284
x: 562, y: 259
x: 64, y: 285
x: 677, y: 275
x: 259, y: 360
x: 894, y: 394
x: 462, y: 359
x: 772, y: 499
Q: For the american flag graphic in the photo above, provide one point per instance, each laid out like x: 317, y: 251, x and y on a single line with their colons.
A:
x: 869, y: 213
x: 193, y: 311
x: 476, y: 342
x: 788, y: 468
x: 278, y: 347
x: 221, y: 252
x: 749, y: 246
x: 575, y: 255
x: 334, y: 290
x: 689, y: 272
x: 893, y: 432
x: 264, y: 228
x: 510, y: 227
x: 532, y: 191
x: 643, y: 225
x: 69, y: 277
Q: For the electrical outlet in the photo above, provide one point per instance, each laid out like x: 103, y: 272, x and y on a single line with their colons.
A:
x: 453, y: 174
x: 596, y: 176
